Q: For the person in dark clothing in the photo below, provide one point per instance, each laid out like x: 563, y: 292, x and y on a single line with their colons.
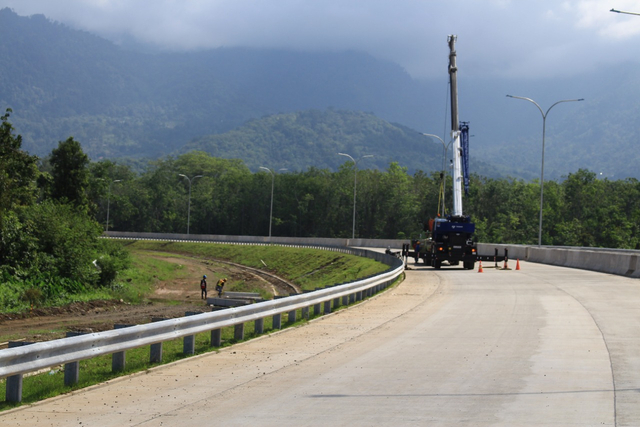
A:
x: 203, y: 287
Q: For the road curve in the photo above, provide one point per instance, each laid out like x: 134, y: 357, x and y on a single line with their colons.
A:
x: 543, y: 346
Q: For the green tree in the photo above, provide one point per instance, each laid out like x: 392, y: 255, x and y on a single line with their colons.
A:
x: 18, y: 170
x: 18, y: 175
x: 69, y: 169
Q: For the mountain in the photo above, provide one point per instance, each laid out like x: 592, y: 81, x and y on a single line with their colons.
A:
x: 62, y: 82
x: 122, y: 103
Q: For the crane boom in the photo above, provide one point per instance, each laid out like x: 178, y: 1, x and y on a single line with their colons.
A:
x: 455, y: 129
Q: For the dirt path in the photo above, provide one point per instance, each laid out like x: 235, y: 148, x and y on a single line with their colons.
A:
x: 169, y: 299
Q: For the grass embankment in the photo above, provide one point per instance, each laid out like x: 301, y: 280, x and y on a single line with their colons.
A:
x: 307, y: 268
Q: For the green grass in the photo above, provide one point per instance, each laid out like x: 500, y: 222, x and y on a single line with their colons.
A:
x: 308, y: 268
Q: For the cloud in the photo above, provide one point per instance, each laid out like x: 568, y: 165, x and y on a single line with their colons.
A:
x: 504, y: 38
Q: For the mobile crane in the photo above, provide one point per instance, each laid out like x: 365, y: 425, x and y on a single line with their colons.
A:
x: 450, y: 239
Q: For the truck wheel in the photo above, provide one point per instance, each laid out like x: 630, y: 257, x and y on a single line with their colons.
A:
x: 468, y: 265
x: 437, y: 264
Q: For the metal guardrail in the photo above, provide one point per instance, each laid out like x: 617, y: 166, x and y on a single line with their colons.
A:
x: 20, y: 360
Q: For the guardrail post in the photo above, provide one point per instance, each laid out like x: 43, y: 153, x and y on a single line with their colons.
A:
x: 327, y: 307
x: 277, y: 321
x: 258, y: 326
x: 72, y: 369
x: 305, y: 313
x: 336, y: 302
x: 238, y: 332
x: 155, y: 350
x: 345, y: 300
x: 292, y: 316
x: 352, y: 298
x: 14, y: 382
x: 359, y: 296
x: 118, y: 359
x: 216, y: 337
x: 189, y: 342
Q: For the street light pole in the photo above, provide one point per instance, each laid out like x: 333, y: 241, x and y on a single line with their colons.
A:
x: 189, y: 208
x: 273, y: 177
x: 544, y: 128
x: 445, y: 148
x: 626, y: 13
x: 106, y: 226
x: 355, y: 182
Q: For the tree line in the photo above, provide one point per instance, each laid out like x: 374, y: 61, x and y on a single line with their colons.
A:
x: 229, y: 199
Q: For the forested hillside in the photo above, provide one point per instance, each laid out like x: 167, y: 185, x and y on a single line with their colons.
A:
x: 297, y: 141
x: 61, y: 82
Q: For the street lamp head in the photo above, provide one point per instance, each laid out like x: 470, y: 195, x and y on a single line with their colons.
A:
x: 183, y: 175
x: 521, y: 97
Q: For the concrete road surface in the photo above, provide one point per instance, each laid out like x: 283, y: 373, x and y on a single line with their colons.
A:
x: 543, y: 346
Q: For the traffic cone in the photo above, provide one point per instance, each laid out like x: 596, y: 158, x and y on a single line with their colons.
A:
x: 506, y: 266
x: 480, y: 268
x: 518, y: 264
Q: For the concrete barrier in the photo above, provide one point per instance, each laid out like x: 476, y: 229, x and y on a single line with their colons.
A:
x: 622, y: 262
x: 264, y: 240
x: 227, y: 302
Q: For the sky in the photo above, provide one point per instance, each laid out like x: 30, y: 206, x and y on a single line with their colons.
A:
x: 530, y: 39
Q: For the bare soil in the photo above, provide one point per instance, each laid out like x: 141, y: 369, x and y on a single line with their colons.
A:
x: 169, y: 299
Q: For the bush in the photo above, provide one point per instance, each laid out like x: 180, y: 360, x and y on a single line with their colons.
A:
x: 63, y: 242
x: 113, y: 258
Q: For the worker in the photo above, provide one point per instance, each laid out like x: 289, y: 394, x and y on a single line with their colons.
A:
x: 220, y: 286
x: 417, y: 251
x: 203, y: 287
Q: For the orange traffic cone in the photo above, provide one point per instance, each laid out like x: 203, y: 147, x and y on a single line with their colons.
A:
x: 518, y: 264
x: 480, y: 268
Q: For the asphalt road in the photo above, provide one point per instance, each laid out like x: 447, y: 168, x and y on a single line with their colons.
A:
x: 543, y: 346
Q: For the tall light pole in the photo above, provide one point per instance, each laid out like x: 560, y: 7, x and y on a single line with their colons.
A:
x: 445, y: 148
x: 106, y: 226
x: 355, y: 184
x: 273, y: 177
x: 544, y: 127
x: 189, y: 208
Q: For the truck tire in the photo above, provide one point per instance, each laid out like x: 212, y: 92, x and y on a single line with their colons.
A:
x: 469, y: 265
x: 437, y: 264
